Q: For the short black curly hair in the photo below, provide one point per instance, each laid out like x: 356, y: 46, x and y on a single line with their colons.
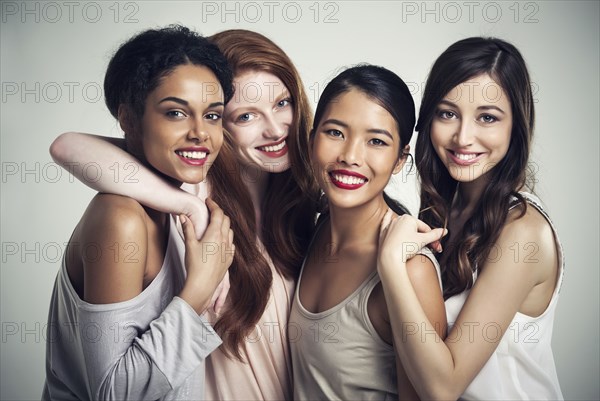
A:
x: 138, y: 65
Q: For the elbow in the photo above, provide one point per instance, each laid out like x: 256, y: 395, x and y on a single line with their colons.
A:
x: 59, y: 149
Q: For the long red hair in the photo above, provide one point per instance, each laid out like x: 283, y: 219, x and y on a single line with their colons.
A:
x: 290, y: 196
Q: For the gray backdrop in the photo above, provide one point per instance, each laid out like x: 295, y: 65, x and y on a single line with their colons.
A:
x: 53, y: 57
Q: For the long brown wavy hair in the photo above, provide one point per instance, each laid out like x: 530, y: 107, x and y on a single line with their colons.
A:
x: 463, y: 60
x: 133, y: 72
x: 290, y: 195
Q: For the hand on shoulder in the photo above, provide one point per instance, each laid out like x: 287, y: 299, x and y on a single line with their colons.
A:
x: 402, y: 237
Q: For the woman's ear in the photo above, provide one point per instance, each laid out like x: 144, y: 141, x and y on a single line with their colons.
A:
x: 125, y: 119
x: 132, y: 130
x: 402, y: 159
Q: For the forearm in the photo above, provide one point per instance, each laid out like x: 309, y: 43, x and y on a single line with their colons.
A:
x: 102, y: 165
x: 428, y: 361
x: 198, y: 290
x: 158, y: 361
x: 444, y: 369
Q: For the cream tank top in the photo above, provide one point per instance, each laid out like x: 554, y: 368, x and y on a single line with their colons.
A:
x: 265, y: 373
x: 337, y: 354
x: 522, y: 366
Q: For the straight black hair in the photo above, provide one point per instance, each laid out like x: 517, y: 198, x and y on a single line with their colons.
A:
x: 386, y: 89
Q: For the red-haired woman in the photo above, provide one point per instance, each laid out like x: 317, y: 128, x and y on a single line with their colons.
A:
x: 268, y: 118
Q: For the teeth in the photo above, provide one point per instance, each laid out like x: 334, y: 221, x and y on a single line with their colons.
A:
x: 465, y: 156
x: 192, y: 155
x: 348, y: 179
x: 275, y: 148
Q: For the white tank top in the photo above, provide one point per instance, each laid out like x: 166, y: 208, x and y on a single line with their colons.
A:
x: 522, y: 366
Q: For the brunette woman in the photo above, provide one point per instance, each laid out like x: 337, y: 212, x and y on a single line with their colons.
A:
x: 125, y: 316
x: 268, y: 118
x: 502, y: 260
x: 340, y: 333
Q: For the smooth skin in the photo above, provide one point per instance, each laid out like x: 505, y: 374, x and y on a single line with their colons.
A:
x: 260, y: 114
x: 259, y: 117
x: 253, y: 120
x: 128, y: 241
x: 506, y: 284
x: 358, y: 135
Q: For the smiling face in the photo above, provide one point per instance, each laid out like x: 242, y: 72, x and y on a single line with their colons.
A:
x: 259, y: 117
x: 181, y: 127
x: 471, y: 129
x: 355, y: 150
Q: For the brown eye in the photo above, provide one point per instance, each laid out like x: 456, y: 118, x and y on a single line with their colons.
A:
x: 447, y: 114
x: 488, y: 118
x: 213, y: 116
x: 175, y: 113
x: 377, y: 142
x: 335, y: 133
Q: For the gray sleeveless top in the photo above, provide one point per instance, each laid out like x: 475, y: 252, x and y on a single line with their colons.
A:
x: 152, y: 346
x: 338, y: 354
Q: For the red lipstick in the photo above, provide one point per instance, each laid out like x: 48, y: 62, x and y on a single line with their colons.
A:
x: 346, y: 179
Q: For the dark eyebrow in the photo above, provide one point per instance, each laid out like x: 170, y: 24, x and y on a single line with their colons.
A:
x: 489, y: 107
x: 185, y: 102
x: 174, y: 99
x: 381, y: 131
x: 448, y: 103
x: 372, y: 130
x: 336, y: 122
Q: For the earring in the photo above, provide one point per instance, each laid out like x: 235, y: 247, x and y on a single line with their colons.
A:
x: 322, y: 203
x: 412, y: 160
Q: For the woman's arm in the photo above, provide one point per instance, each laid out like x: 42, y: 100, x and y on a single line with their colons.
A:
x: 159, y: 358
x: 102, y: 164
x: 424, y: 279
x: 207, y: 260
x: 443, y: 369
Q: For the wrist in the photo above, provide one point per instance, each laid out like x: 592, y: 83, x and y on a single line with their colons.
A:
x: 196, y: 299
x: 188, y: 204
x: 391, y: 265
